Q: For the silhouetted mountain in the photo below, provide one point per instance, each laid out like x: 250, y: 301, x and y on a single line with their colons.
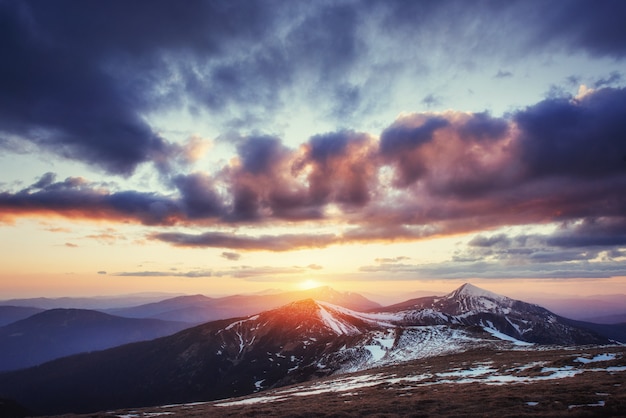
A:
x: 61, y: 332
x: 199, y: 309
x: 293, y: 343
x: 10, y: 314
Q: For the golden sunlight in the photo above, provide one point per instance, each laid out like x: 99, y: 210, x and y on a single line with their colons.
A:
x: 309, y: 284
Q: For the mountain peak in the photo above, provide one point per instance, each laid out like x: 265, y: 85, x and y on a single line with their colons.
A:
x: 469, y: 290
x: 312, y: 314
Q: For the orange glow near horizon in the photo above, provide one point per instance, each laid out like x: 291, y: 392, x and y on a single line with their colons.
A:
x: 309, y: 284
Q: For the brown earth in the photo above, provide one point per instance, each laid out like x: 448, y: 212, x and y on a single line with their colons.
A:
x: 593, y: 392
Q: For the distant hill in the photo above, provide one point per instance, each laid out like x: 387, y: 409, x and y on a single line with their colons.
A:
x: 10, y: 314
x: 589, y: 308
x: 97, y: 302
x: 609, y: 319
x: 61, y: 332
x: 297, y: 342
x: 198, y: 309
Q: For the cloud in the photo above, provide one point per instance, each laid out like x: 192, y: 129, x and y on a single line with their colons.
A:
x: 261, y: 273
x: 592, y: 232
x: 102, y: 272
x: 613, y: 78
x: 587, y: 249
x: 102, y: 68
x: 231, y: 256
x: 190, y: 274
x: 483, y: 270
x: 199, y: 197
x: 256, y: 273
x: 425, y: 175
x: 576, y: 138
x: 391, y: 260
x: 431, y: 100
x: 107, y: 237
x: 582, y: 26
x: 70, y: 245
x: 278, y: 243
x: 503, y: 74
x: 96, y: 77
x: 77, y: 198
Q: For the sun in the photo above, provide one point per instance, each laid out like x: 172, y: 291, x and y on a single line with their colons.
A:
x: 309, y: 284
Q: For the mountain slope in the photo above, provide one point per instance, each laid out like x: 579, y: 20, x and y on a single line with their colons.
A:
x: 61, y: 332
x: 10, y: 314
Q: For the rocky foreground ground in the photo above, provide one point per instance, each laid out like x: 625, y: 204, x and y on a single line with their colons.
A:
x: 588, y: 381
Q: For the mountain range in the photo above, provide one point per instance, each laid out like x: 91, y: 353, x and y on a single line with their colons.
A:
x: 31, y: 336
x: 198, y: 309
x: 299, y: 341
x: 57, y: 333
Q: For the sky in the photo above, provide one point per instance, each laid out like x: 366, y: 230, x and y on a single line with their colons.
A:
x: 387, y: 147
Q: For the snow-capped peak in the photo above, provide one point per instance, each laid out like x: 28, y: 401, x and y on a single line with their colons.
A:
x: 469, y: 290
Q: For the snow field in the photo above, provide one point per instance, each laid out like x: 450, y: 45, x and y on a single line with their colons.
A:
x: 480, y: 372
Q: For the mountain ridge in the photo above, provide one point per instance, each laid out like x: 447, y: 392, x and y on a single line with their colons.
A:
x: 199, y: 308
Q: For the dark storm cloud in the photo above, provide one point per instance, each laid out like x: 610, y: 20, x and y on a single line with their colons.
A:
x: 581, y: 138
x: 595, y: 27
x: 77, y: 78
x: 55, y: 95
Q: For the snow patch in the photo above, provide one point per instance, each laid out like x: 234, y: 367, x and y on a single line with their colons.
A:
x: 376, y: 351
x: 339, y: 327
x: 491, y: 330
x: 599, y: 403
x: 599, y: 357
x: 259, y: 384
